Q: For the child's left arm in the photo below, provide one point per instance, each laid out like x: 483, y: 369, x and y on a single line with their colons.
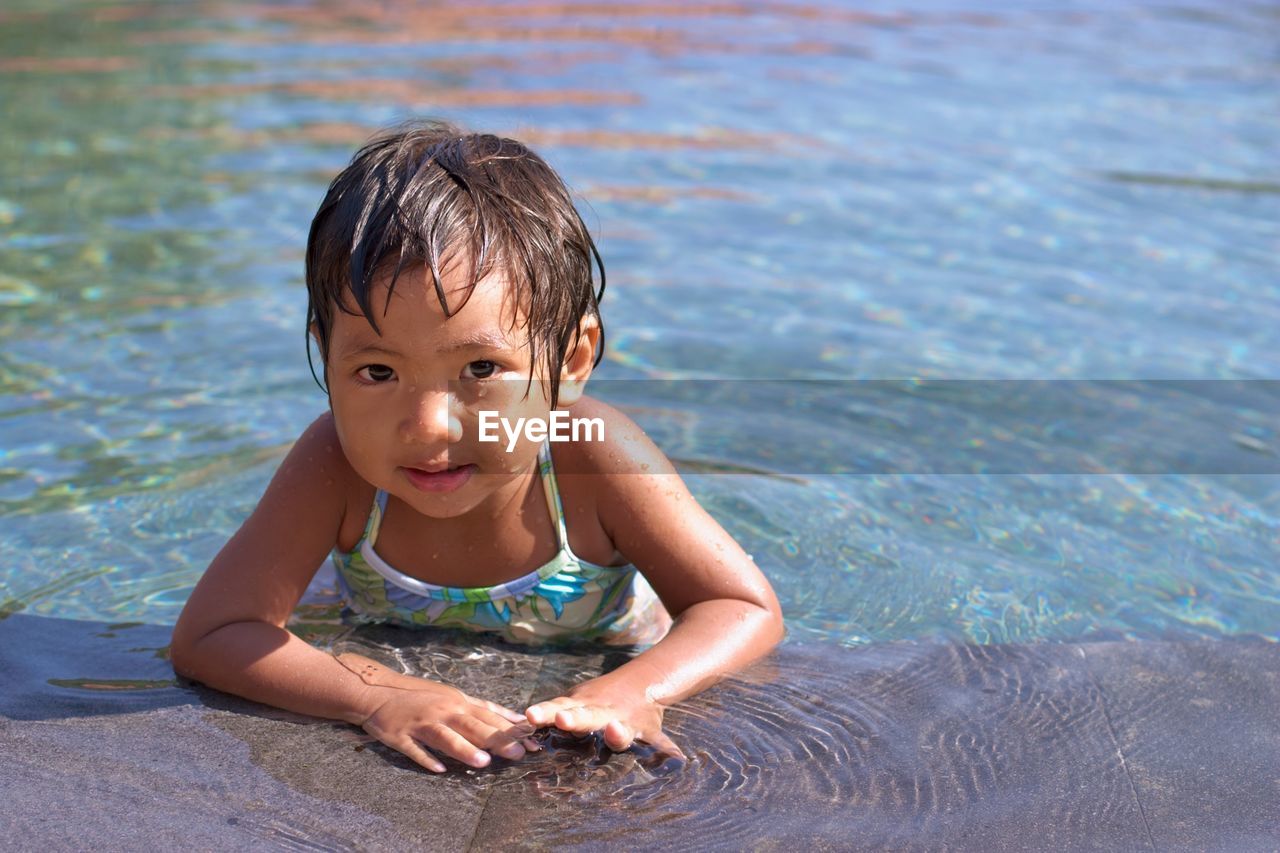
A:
x: 726, y: 614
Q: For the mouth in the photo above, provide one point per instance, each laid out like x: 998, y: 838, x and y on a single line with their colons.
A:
x: 440, y: 479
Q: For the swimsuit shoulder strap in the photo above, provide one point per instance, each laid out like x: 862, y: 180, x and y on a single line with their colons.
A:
x: 552, y: 491
x: 375, y: 518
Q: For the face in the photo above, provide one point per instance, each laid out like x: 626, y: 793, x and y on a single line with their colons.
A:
x: 407, y: 402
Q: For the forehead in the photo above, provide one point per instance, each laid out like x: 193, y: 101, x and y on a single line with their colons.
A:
x: 488, y: 309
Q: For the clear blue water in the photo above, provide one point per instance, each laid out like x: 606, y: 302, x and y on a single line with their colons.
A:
x: 918, y: 190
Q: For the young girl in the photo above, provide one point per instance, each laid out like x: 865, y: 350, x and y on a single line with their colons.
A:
x: 451, y: 287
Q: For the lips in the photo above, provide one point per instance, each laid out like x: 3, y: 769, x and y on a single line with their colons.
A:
x: 441, y: 480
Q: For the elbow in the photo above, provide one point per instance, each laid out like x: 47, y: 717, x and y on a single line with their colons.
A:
x: 775, y: 628
x: 183, y: 657
x: 183, y: 666
x: 201, y: 653
x: 179, y: 648
x: 193, y: 657
x: 185, y: 652
x: 767, y: 625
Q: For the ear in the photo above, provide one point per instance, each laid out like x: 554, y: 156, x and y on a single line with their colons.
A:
x: 579, y: 362
x: 314, y: 331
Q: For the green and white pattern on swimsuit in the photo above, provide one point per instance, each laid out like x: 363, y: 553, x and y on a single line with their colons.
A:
x: 566, y: 599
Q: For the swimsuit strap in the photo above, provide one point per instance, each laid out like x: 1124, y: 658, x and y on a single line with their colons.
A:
x: 549, y: 487
x: 552, y: 490
x: 375, y: 517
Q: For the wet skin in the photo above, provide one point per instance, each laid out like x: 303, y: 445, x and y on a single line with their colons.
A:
x: 405, y: 400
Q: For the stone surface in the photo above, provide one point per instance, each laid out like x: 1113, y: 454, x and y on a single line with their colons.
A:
x: 1199, y: 728
x: 1116, y: 745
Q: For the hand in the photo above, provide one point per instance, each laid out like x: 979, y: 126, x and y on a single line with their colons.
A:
x: 416, y: 711
x: 621, y: 718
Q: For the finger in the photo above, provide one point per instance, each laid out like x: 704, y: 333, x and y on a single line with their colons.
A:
x: 659, y: 741
x: 516, y: 735
x: 506, y: 713
x: 499, y: 740
x: 516, y: 728
x: 411, y: 748
x: 531, y: 745
x: 446, y: 740
x: 544, y: 713
x: 618, y: 736
x: 585, y: 718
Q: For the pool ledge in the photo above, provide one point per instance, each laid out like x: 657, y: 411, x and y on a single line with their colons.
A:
x: 1112, y: 745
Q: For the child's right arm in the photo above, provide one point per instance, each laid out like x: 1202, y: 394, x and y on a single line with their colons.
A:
x: 231, y: 634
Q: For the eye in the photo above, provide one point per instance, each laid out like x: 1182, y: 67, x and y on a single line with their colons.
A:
x: 481, y: 369
x: 375, y: 374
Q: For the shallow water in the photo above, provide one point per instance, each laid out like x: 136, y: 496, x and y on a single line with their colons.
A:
x: 902, y: 746
x: 960, y: 317
x: 927, y: 190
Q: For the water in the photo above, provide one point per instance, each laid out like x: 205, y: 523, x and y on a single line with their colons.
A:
x: 916, y: 193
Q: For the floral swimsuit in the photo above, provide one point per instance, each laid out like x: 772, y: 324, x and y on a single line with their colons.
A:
x: 566, y: 599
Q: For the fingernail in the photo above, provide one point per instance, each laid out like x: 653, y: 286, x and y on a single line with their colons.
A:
x: 480, y: 759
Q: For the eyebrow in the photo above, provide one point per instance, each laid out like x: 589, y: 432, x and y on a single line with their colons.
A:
x: 368, y: 349
x: 478, y: 340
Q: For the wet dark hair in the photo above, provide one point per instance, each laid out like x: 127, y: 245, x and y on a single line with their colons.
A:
x: 428, y: 193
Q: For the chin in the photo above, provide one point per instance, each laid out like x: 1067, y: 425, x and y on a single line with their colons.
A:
x: 446, y: 506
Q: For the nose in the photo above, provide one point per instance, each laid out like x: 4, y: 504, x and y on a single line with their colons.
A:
x: 431, y: 417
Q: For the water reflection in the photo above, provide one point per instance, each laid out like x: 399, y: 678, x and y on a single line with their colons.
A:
x: 794, y: 191
x: 892, y: 746
x: 737, y: 736
x: 781, y: 190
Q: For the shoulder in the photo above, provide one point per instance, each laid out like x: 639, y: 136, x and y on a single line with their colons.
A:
x: 617, y: 447
x: 620, y: 472
x: 318, y: 468
x: 320, y: 439
x: 651, y: 519
x: 318, y: 455
x: 264, y: 568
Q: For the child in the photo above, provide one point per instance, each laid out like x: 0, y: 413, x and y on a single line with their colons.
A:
x: 451, y: 284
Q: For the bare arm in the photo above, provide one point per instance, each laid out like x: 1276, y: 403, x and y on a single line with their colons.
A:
x: 270, y: 665
x: 231, y: 634
x: 726, y: 614
x: 709, y: 641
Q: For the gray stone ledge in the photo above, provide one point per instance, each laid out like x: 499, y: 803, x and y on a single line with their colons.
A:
x: 1108, y: 745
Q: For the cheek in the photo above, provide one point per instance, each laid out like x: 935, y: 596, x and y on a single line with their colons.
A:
x: 503, y: 400
x: 502, y: 417
x: 358, y: 433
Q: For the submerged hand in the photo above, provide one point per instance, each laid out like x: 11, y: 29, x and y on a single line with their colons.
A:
x: 621, y: 719
x: 414, y: 711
